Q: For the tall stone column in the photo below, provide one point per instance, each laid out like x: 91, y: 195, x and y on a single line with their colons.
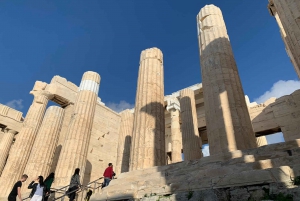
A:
x: 176, y: 137
x: 228, y: 122
x: 124, y: 143
x: 43, y: 149
x: 19, y: 155
x: 5, y: 145
x: 287, y: 15
x: 148, y: 139
x: 191, y: 141
x: 261, y: 141
x: 75, y: 147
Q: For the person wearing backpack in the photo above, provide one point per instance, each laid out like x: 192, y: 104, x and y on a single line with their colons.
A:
x: 74, y: 184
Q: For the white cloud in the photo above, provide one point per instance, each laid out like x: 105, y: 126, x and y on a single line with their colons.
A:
x: 279, y: 89
x: 275, y: 138
x: 119, y: 107
x: 16, y: 104
x: 205, y: 150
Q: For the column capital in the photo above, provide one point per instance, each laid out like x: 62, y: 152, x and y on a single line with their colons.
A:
x: 42, y: 93
x: 173, y: 104
x: 271, y: 7
x: 8, y: 130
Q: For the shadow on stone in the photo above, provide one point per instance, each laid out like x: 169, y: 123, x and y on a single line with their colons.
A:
x: 156, y: 134
x: 87, y: 173
x: 126, y: 154
x: 55, y: 159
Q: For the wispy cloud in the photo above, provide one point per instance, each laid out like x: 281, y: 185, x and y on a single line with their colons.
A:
x: 279, y: 89
x: 119, y: 107
x: 16, y: 104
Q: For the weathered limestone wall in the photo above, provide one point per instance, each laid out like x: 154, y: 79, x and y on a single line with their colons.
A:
x: 228, y: 124
x: 261, y: 141
x: 191, y: 142
x: 10, y: 118
x: 19, y: 155
x: 287, y: 15
x: 75, y: 148
x: 124, y: 141
x: 148, y: 139
x: 278, y: 115
x: 64, y: 92
x: 103, y: 143
x: 286, y: 111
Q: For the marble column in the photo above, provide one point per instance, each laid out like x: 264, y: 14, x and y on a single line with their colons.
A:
x: 5, y: 145
x: 124, y: 143
x: 148, y: 139
x: 43, y: 149
x: 191, y: 141
x: 75, y: 148
x: 176, y: 137
x: 261, y: 141
x: 19, y: 155
x: 287, y: 15
x: 228, y: 122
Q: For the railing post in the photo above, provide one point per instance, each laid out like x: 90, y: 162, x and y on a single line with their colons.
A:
x: 62, y: 199
x: 82, y: 191
x: 94, y: 191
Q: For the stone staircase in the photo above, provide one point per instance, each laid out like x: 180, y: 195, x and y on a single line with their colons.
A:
x: 267, y: 166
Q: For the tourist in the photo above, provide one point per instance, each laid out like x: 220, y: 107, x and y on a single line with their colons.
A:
x: 16, y: 191
x: 74, y: 184
x: 108, y: 175
x: 48, y: 182
x: 38, y: 189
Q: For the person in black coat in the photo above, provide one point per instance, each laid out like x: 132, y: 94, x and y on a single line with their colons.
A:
x: 39, y: 190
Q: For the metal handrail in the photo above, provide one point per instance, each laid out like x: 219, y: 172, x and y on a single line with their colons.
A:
x: 60, y: 189
x: 81, y: 188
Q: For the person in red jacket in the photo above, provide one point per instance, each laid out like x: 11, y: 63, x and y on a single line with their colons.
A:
x: 108, y: 175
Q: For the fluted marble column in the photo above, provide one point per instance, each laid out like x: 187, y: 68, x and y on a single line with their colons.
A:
x: 124, y: 143
x: 5, y: 145
x: 148, y: 139
x: 261, y: 141
x: 191, y: 141
x: 287, y: 15
x: 42, y: 152
x: 228, y: 122
x: 19, y: 155
x: 75, y: 147
x: 176, y: 138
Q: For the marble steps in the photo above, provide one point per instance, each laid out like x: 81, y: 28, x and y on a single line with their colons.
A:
x: 273, y: 163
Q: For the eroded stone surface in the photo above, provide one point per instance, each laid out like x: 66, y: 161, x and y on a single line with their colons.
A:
x: 18, y: 157
x: 191, y: 141
x: 227, y: 118
x: 259, y: 166
x: 287, y: 15
x: 43, y: 150
x: 124, y: 143
x: 148, y: 138
x: 75, y: 149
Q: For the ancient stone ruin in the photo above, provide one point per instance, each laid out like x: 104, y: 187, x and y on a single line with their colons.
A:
x: 146, y: 143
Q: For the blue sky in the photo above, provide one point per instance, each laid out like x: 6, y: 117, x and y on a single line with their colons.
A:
x: 40, y: 39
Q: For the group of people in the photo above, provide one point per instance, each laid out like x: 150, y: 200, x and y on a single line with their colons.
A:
x: 41, y: 189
